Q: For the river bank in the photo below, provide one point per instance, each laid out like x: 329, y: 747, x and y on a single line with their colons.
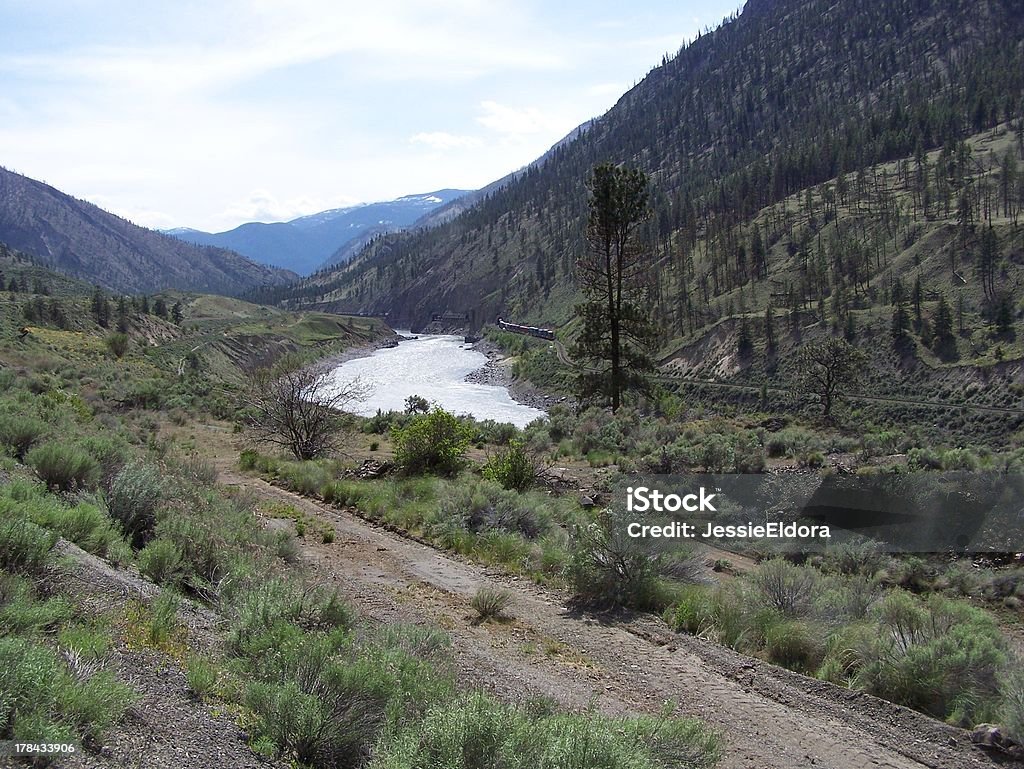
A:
x: 497, y: 371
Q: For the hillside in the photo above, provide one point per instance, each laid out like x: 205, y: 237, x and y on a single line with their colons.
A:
x: 308, y: 243
x: 85, y: 242
x: 805, y: 154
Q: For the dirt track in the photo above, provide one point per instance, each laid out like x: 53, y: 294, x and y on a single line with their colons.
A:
x: 769, y: 717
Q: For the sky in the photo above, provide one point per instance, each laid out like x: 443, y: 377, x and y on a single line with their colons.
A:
x: 211, y: 114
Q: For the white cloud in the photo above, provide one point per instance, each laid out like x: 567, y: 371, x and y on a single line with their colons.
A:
x: 441, y: 140
x: 516, y: 121
x: 263, y: 206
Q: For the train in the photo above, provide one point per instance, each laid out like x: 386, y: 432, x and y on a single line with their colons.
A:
x: 515, y: 328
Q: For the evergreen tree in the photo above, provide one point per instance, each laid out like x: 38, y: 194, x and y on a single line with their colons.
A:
x: 176, y: 314
x: 942, y: 327
x: 744, y: 340
x: 769, y: 328
x: 99, y: 307
x: 918, y: 296
x: 900, y: 324
x: 613, y: 275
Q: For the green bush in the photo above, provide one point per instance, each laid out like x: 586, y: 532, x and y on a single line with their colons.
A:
x: 513, y: 467
x: 63, y: 467
x: 489, y: 603
x: 161, y: 560
x: 483, y: 506
x: 939, y: 656
x: 785, y: 587
x: 163, y: 620
x: 19, y: 433
x: 21, y: 613
x: 248, y: 458
x: 1011, y: 710
x: 478, y: 733
x: 201, y: 675
x: 117, y: 343
x: 692, y: 611
x: 795, y: 644
x: 42, y: 701
x: 609, y: 568
x: 133, y: 499
x: 24, y: 546
x: 432, y: 443
x: 85, y: 524
x: 88, y: 641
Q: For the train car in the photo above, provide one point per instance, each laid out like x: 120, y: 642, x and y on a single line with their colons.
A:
x: 534, y: 331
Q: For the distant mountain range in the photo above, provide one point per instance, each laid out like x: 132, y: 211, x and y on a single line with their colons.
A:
x: 86, y: 242
x: 308, y: 243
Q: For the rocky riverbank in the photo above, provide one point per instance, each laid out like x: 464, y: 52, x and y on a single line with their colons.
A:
x: 498, y: 372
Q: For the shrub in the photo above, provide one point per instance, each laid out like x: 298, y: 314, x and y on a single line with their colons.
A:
x: 478, y: 733
x: 89, y: 642
x: 85, y: 524
x: 24, y: 546
x: 1011, y: 711
x: 609, y: 568
x: 63, y: 467
x: 939, y: 656
x: 795, y: 645
x: 43, y: 701
x: 484, y: 506
x: 117, y: 343
x: 134, y: 496
x: 785, y: 587
x: 512, y: 467
x: 201, y: 676
x: 22, y: 613
x: 432, y: 443
x: 163, y: 617
x: 490, y: 603
x: 248, y: 458
x: 19, y: 433
x: 161, y: 560
x: 693, y: 610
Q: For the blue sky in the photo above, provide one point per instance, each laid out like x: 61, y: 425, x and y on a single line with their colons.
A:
x: 212, y: 114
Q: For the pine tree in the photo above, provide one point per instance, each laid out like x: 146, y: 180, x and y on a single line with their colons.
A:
x: 769, y: 328
x: 613, y: 274
x: 942, y: 327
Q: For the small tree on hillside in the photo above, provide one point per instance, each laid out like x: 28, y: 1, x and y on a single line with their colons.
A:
x: 828, y: 368
x: 300, y: 407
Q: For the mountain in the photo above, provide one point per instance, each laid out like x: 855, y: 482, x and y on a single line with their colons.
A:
x: 799, y: 155
x: 308, y: 243
x: 86, y: 242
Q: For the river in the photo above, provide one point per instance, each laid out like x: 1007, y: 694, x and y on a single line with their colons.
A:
x: 434, y: 367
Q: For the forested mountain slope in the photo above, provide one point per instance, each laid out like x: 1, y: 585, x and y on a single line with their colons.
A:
x: 86, y: 242
x: 796, y: 156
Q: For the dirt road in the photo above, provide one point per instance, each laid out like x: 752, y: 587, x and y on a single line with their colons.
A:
x: 769, y: 718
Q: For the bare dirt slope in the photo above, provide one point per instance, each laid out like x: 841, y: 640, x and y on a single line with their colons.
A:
x: 770, y: 718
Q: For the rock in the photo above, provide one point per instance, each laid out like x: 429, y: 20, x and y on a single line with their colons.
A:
x: 992, y: 736
x: 586, y: 502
